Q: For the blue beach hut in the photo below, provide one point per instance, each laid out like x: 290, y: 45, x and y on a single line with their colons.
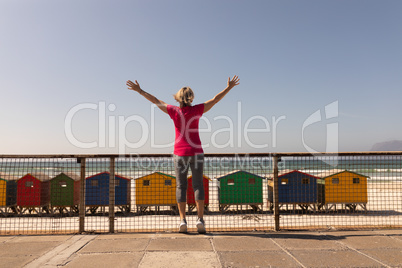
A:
x: 296, y: 188
x: 97, y: 191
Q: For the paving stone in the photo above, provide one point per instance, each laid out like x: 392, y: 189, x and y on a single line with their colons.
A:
x: 244, y: 243
x: 395, y: 233
x: 40, y: 238
x: 333, y: 258
x: 180, y: 244
x: 256, y: 259
x: 183, y: 235
x: 178, y: 259
x: 116, y: 245
x: 106, y: 260
x: 29, y: 249
x: 396, y: 236
x: 124, y: 236
x: 62, y: 253
x: 309, y: 242
x: 16, y: 261
x: 390, y: 256
x: 347, y: 233
x: 371, y: 242
x: 6, y: 238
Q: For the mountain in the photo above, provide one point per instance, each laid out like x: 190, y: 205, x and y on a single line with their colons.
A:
x: 395, y: 145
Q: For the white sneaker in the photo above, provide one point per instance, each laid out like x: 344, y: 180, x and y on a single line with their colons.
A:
x: 201, y: 226
x: 183, y: 226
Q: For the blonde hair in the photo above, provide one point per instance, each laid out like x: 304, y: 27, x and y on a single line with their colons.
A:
x: 184, y: 96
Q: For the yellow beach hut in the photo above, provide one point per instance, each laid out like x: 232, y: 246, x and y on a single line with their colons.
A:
x: 3, y: 191
x: 156, y: 189
x: 345, y: 188
x: 8, y: 193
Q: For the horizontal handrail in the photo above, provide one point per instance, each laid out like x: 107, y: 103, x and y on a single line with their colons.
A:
x: 278, y: 154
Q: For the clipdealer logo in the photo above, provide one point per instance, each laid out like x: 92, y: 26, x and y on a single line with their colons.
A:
x: 332, y: 132
x: 111, y: 130
x: 219, y: 138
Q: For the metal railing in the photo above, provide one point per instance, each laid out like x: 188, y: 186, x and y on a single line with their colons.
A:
x: 136, y: 193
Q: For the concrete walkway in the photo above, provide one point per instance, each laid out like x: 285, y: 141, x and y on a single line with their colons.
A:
x: 368, y: 248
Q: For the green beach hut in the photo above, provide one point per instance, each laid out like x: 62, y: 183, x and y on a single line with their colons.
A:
x: 240, y: 188
x: 65, y: 192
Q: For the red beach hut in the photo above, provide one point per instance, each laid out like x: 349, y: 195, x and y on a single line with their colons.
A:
x: 190, y: 193
x: 33, y: 190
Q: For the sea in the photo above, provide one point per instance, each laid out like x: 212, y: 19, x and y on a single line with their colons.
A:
x: 376, y: 168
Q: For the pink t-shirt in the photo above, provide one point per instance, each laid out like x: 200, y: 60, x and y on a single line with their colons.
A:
x: 187, y: 141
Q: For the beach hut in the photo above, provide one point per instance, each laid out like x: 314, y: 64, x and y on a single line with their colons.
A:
x: 65, y: 192
x: 190, y: 193
x: 97, y: 192
x: 156, y: 189
x: 345, y: 188
x: 240, y: 188
x: 8, y: 193
x: 33, y: 193
x: 295, y: 188
x: 3, y: 191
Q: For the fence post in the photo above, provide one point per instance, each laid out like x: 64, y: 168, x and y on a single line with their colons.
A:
x: 276, y: 192
x: 82, y: 195
x: 111, y: 194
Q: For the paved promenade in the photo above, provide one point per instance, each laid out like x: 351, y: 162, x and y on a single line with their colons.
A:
x: 368, y: 248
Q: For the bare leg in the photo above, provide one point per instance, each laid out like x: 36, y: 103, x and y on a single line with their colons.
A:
x: 182, y: 210
x: 200, y: 208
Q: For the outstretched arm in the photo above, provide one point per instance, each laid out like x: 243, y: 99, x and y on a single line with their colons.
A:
x: 231, y: 83
x: 136, y: 87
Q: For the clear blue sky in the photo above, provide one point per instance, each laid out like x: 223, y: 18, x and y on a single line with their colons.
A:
x: 294, y: 58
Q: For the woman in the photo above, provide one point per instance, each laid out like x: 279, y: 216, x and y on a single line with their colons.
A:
x: 188, y: 151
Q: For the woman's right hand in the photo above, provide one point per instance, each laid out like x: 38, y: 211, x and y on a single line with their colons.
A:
x: 134, y: 86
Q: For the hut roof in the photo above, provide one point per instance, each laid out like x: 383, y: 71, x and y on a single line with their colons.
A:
x: 72, y: 175
x: 39, y: 176
x: 288, y: 171
x: 297, y: 171
x: 280, y: 173
x: 106, y: 172
x: 329, y: 173
x: 336, y: 172
x: 205, y: 177
x: 285, y: 171
x: 238, y: 171
x: 160, y: 173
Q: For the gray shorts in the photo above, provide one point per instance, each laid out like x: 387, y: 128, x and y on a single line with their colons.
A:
x: 182, y: 165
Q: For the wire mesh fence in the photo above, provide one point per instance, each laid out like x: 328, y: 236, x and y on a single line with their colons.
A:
x: 137, y: 193
x: 350, y: 191
x: 33, y: 196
